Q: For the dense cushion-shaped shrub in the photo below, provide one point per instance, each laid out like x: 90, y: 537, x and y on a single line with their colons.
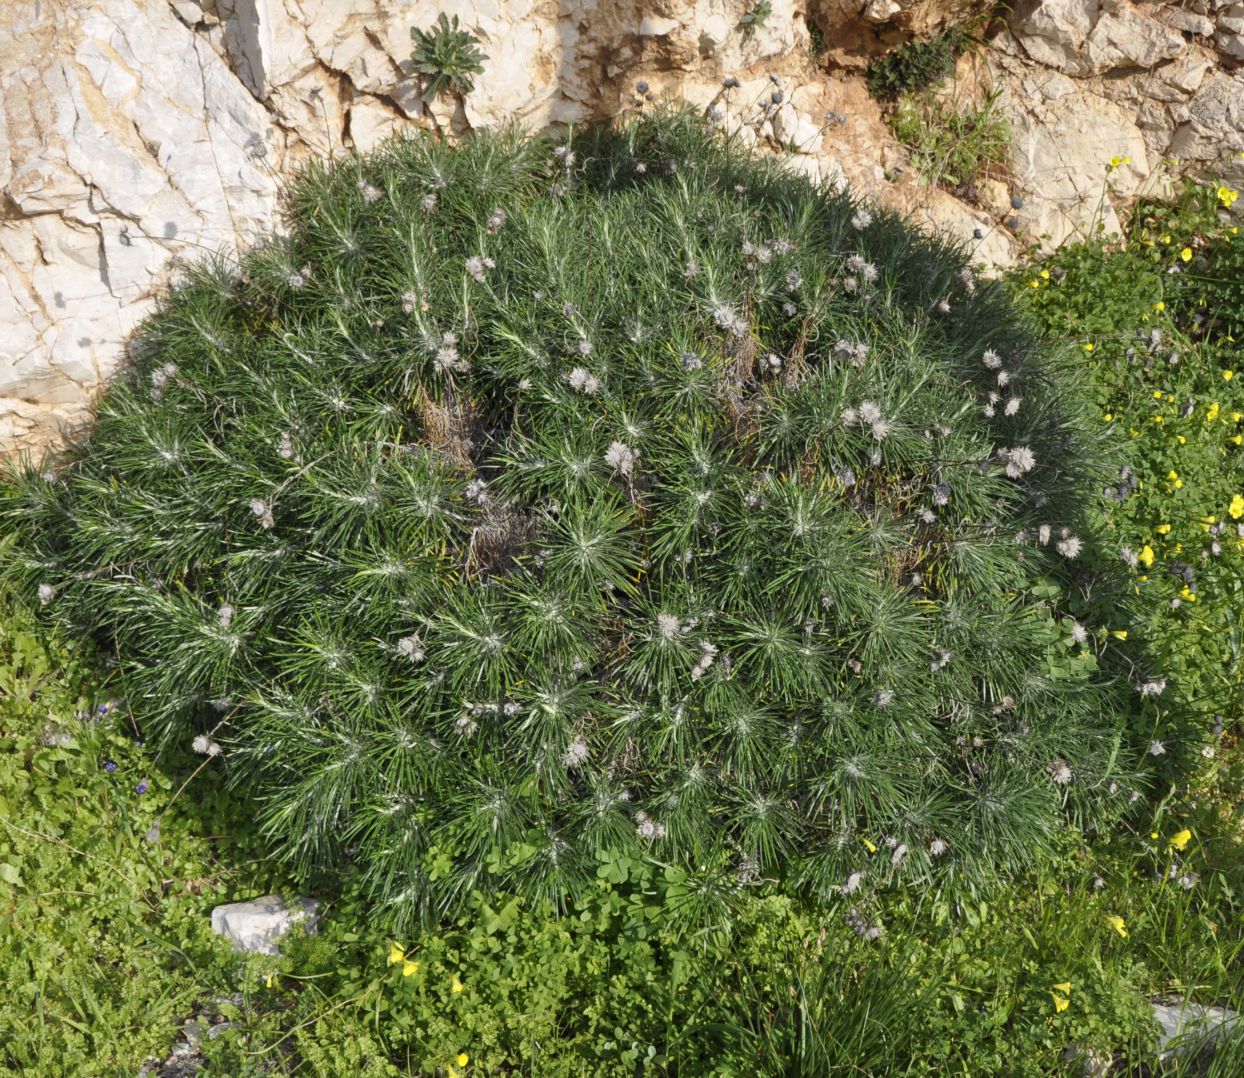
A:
x: 536, y: 502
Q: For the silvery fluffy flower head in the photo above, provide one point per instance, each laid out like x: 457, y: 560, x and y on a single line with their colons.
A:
x: 668, y: 626
x: 262, y: 512
x: 576, y: 753
x: 476, y: 265
x: 1018, y: 460
x: 583, y: 381
x: 729, y: 319
x: 621, y: 458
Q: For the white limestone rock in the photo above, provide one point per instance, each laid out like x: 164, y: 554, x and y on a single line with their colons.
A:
x: 257, y: 926
x: 1189, y: 1027
x: 1054, y: 33
x: 1063, y: 140
x: 987, y: 245
x: 1124, y: 38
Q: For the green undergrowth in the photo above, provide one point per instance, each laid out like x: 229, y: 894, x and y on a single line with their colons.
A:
x: 106, y: 879
x: 104, y: 939
x: 1156, y: 323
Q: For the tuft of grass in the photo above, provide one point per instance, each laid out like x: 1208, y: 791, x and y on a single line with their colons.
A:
x: 952, y: 143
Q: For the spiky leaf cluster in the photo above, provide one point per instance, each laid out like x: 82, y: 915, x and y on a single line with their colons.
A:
x: 447, y: 56
x: 537, y: 502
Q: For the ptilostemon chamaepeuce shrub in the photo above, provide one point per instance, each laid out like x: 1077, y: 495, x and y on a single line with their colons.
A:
x: 541, y: 501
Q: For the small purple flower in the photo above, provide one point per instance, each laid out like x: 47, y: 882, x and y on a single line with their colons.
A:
x: 109, y: 766
x: 141, y: 788
x: 102, y: 709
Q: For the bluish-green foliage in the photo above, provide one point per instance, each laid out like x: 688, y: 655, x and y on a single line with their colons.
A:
x: 535, y: 504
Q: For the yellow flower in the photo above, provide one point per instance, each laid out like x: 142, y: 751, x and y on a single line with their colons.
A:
x: 871, y: 847
x: 1180, y: 840
x: 1237, y: 416
x: 1188, y: 594
x: 1166, y: 238
x: 1120, y: 634
x: 1228, y: 375
x: 1158, y: 419
x: 1211, y: 413
x: 462, y: 1059
x: 1146, y: 556
x: 1153, y: 835
x: 1117, y: 923
x: 1181, y: 439
x: 1157, y: 394
x: 1034, y: 284
x: 270, y: 981
x: 1064, y: 988
x: 1045, y: 275
x: 1172, y: 474
x: 398, y: 954
x: 1060, y: 1003
x: 1209, y: 520
x: 1087, y: 346
x: 1186, y: 254
x: 1227, y: 196
x: 455, y: 985
x: 1109, y: 416
x: 1236, y: 508
x: 1178, y: 484
x: 1162, y: 529
x: 1237, y: 439
x: 1159, y: 306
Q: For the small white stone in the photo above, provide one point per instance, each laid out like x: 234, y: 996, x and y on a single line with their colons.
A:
x: 255, y: 926
x: 655, y: 26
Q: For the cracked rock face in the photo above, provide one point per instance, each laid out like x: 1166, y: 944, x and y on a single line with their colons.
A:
x: 123, y: 141
x: 137, y: 132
